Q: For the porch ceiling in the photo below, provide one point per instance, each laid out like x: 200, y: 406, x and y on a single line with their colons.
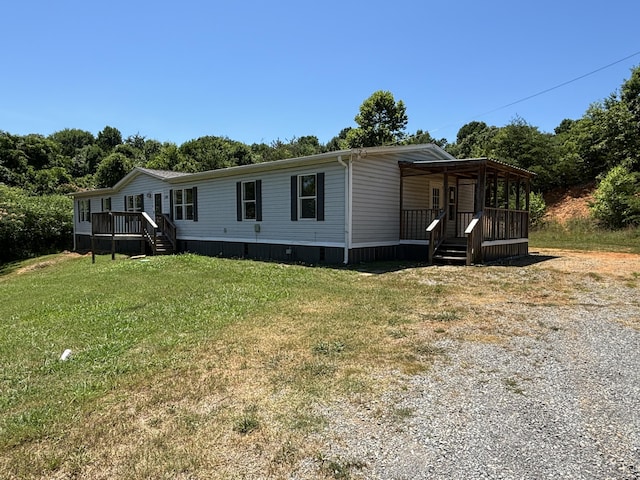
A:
x: 464, y: 167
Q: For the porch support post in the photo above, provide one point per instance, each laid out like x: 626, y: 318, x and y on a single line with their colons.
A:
x: 113, y: 236
x: 526, y: 201
x: 481, y: 189
x: 446, y: 195
x: 401, y: 205
x: 508, y: 217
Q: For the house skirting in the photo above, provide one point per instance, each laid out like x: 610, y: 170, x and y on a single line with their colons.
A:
x: 312, y: 254
x: 103, y: 245
x: 502, y: 249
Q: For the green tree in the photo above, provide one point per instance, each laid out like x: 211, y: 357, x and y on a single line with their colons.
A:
x: 474, y: 140
x: 167, y: 158
x: 86, y: 161
x: 339, y: 142
x: 109, y: 138
x: 113, y: 169
x: 421, y: 137
x: 381, y: 121
x: 210, y: 153
x: 72, y: 140
x: 617, y: 199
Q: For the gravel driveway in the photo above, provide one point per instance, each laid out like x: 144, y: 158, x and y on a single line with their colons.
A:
x: 560, y: 398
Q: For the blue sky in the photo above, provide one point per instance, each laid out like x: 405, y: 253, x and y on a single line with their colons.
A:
x: 257, y: 71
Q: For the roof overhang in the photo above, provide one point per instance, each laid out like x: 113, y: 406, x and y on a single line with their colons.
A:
x: 465, y: 167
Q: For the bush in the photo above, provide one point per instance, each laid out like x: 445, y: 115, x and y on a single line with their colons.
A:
x: 33, y: 225
x: 617, y: 199
x: 537, y: 207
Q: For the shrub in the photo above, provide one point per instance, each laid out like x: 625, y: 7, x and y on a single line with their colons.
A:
x: 617, y: 199
x: 33, y: 225
x: 537, y: 207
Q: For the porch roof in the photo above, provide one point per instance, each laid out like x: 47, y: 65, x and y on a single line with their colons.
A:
x: 464, y: 167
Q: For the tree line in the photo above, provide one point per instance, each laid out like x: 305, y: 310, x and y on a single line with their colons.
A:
x: 603, y: 145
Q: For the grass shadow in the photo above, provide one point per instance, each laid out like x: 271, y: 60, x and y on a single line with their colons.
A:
x: 522, y: 261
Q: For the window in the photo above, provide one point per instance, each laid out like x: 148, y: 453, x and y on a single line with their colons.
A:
x: 134, y: 203
x: 249, y: 200
x: 185, y: 204
x: 435, y: 199
x: 106, y: 204
x: 84, y: 210
x: 307, y: 197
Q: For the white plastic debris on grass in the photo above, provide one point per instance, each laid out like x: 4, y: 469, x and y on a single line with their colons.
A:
x: 65, y: 355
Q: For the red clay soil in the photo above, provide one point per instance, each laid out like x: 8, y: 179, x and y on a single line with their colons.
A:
x: 565, y: 204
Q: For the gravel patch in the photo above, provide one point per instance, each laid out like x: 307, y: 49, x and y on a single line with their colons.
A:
x: 559, y: 399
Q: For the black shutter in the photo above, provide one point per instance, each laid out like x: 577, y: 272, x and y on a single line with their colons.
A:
x: 259, y: 200
x: 89, y: 209
x: 142, y: 202
x: 294, y: 198
x: 239, y: 201
x: 320, y: 197
x: 194, y: 196
x: 171, y: 205
x: 125, y: 204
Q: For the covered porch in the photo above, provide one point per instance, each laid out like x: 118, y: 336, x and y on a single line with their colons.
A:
x: 464, y: 211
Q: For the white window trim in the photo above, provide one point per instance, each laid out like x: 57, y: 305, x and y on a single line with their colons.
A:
x: 309, y: 197
x: 433, y: 196
x: 183, y: 204
x: 84, y: 210
x: 133, y: 201
x: 245, y: 202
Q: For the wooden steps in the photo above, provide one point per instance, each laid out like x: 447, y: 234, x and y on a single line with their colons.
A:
x: 451, y: 252
x: 163, y: 246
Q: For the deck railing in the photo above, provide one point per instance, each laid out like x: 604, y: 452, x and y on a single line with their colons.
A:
x: 502, y: 224
x: 414, y: 223
x: 436, y: 234
x: 462, y: 221
x: 168, y: 228
x: 473, y: 232
x: 123, y: 224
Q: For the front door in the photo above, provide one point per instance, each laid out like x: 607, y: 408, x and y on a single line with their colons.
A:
x: 452, y: 202
x: 157, y: 206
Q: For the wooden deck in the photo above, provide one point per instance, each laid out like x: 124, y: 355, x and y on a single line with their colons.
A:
x: 160, y: 235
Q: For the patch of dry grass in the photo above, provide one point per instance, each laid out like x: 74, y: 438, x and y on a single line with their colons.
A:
x: 244, y: 400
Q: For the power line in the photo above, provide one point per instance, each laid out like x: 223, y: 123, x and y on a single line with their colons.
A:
x: 547, y: 90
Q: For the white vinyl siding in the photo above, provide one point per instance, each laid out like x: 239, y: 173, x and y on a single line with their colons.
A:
x: 376, y: 201
x: 416, y: 192
x: 217, y: 212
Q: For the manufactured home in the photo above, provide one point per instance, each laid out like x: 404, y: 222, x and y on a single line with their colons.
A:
x: 381, y: 203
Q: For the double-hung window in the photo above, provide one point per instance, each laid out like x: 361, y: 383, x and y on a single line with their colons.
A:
x: 184, y: 204
x: 84, y: 210
x: 249, y: 200
x: 106, y: 204
x: 435, y: 199
x: 307, y: 197
x: 134, y: 203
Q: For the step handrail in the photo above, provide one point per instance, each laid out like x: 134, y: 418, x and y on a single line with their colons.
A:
x: 473, y: 232
x: 149, y: 229
x: 435, y: 234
